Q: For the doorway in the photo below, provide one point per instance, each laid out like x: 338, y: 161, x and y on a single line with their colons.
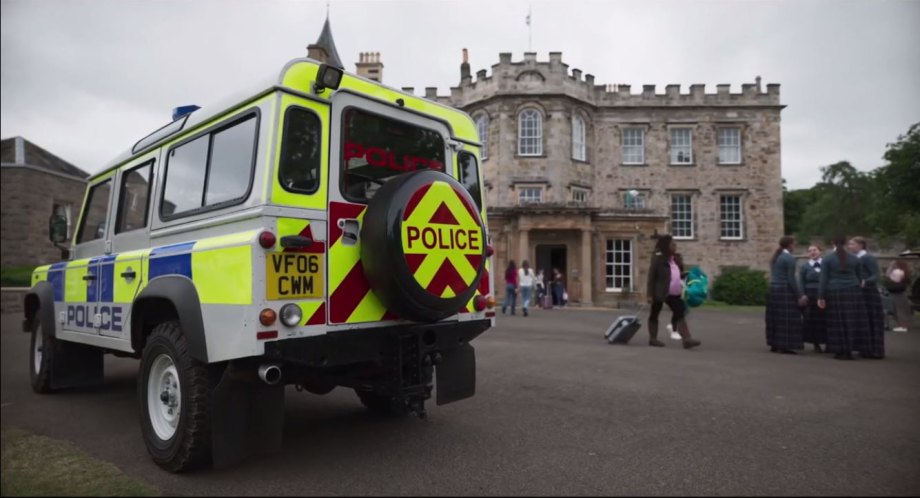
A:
x: 549, y: 257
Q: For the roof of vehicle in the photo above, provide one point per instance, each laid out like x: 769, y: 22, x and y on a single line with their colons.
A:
x: 298, y: 75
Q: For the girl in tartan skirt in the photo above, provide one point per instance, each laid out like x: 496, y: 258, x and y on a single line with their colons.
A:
x: 814, y: 325
x: 841, y: 298
x: 874, y: 345
x: 784, y: 321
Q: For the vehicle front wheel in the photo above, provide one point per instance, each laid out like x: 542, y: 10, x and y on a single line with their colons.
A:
x: 40, y: 357
x: 174, y: 393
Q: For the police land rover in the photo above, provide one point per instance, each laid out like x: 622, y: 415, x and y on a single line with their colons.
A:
x: 322, y: 231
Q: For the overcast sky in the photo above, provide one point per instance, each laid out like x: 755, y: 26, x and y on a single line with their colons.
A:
x: 87, y: 79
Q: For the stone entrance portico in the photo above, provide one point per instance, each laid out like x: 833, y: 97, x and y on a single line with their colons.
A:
x: 578, y: 241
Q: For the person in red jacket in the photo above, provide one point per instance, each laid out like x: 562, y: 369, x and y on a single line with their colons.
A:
x: 511, y: 284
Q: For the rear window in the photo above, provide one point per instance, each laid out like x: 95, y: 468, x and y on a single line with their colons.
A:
x: 376, y: 148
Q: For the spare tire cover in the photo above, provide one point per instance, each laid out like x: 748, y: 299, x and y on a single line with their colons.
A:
x: 423, y: 245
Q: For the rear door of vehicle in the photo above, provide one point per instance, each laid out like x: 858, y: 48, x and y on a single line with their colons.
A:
x: 372, y: 142
x: 295, y: 269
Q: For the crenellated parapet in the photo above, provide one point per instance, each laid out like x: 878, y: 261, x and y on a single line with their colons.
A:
x: 553, y: 77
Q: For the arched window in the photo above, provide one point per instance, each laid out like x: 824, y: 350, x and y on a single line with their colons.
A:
x: 578, y: 138
x: 482, y: 127
x: 530, y: 133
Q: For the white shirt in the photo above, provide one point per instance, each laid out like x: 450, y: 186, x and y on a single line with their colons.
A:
x: 813, y: 262
x: 861, y: 253
x: 525, y: 279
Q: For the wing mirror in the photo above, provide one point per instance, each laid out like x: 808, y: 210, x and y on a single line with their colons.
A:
x: 57, y: 233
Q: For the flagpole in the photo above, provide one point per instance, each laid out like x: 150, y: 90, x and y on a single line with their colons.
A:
x: 529, y: 29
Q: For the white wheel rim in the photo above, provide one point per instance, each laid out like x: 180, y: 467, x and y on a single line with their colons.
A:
x: 164, y: 397
x: 37, y: 351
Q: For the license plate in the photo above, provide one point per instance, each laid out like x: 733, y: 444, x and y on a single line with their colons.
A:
x: 292, y: 275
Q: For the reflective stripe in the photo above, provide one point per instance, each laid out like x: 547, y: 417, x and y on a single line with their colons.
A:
x: 233, y: 239
x: 223, y: 276
x: 75, y: 286
x: 350, y: 297
x: 56, y: 274
x: 125, y: 290
x: 314, y: 312
x: 176, y: 264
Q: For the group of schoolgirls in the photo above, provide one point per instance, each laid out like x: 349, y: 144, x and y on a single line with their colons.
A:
x: 833, y: 299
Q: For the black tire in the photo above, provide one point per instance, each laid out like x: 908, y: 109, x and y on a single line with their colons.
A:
x: 384, y: 406
x: 189, y: 447
x: 40, y: 369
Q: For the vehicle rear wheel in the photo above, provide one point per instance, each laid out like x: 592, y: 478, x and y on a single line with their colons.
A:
x: 174, y: 393
x: 40, y: 357
x: 381, y: 405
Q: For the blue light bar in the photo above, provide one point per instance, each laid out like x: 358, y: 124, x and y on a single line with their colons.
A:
x: 180, y: 111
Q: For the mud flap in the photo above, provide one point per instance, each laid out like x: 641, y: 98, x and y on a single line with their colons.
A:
x: 456, y: 374
x: 247, y: 418
x: 75, y: 365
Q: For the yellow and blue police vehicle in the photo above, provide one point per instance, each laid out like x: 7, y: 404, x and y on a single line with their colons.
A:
x: 322, y: 230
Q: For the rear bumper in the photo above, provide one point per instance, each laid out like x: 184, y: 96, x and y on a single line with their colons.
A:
x: 378, y: 345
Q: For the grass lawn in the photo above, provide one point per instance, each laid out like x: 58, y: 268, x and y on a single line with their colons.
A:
x: 34, y: 465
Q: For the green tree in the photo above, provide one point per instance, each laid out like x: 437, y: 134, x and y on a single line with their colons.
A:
x: 896, y: 206
x: 840, y: 203
x: 795, y: 203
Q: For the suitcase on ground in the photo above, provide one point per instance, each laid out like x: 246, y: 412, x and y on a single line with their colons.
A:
x: 622, y: 329
x: 547, y: 302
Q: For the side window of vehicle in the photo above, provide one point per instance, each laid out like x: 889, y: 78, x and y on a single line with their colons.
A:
x: 469, y: 176
x: 301, y: 148
x: 211, y: 171
x: 185, y: 177
x: 94, y: 213
x: 134, y: 198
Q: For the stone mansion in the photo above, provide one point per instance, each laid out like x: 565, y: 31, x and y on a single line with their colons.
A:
x: 582, y: 176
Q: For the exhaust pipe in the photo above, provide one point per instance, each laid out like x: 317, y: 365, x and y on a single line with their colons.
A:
x: 270, y: 373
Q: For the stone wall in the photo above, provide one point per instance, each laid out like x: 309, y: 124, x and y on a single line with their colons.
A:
x: 26, y: 202
x: 11, y: 301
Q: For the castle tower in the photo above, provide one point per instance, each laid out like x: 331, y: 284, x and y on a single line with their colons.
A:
x: 369, y: 66
x: 324, y: 48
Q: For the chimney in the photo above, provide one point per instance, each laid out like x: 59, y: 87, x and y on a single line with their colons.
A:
x: 369, y: 66
x: 576, y: 73
x: 648, y: 91
x: 589, y: 79
x: 465, y: 76
x: 431, y: 92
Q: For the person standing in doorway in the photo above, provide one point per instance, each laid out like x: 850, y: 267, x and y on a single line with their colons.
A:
x: 874, y: 346
x: 540, y: 287
x: 897, y: 279
x: 525, y: 281
x: 511, y: 283
x: 664, y: 287
x: 784, y: 321
x: 840, y: 296
x: 814, y: 326
x: 557, y: 287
